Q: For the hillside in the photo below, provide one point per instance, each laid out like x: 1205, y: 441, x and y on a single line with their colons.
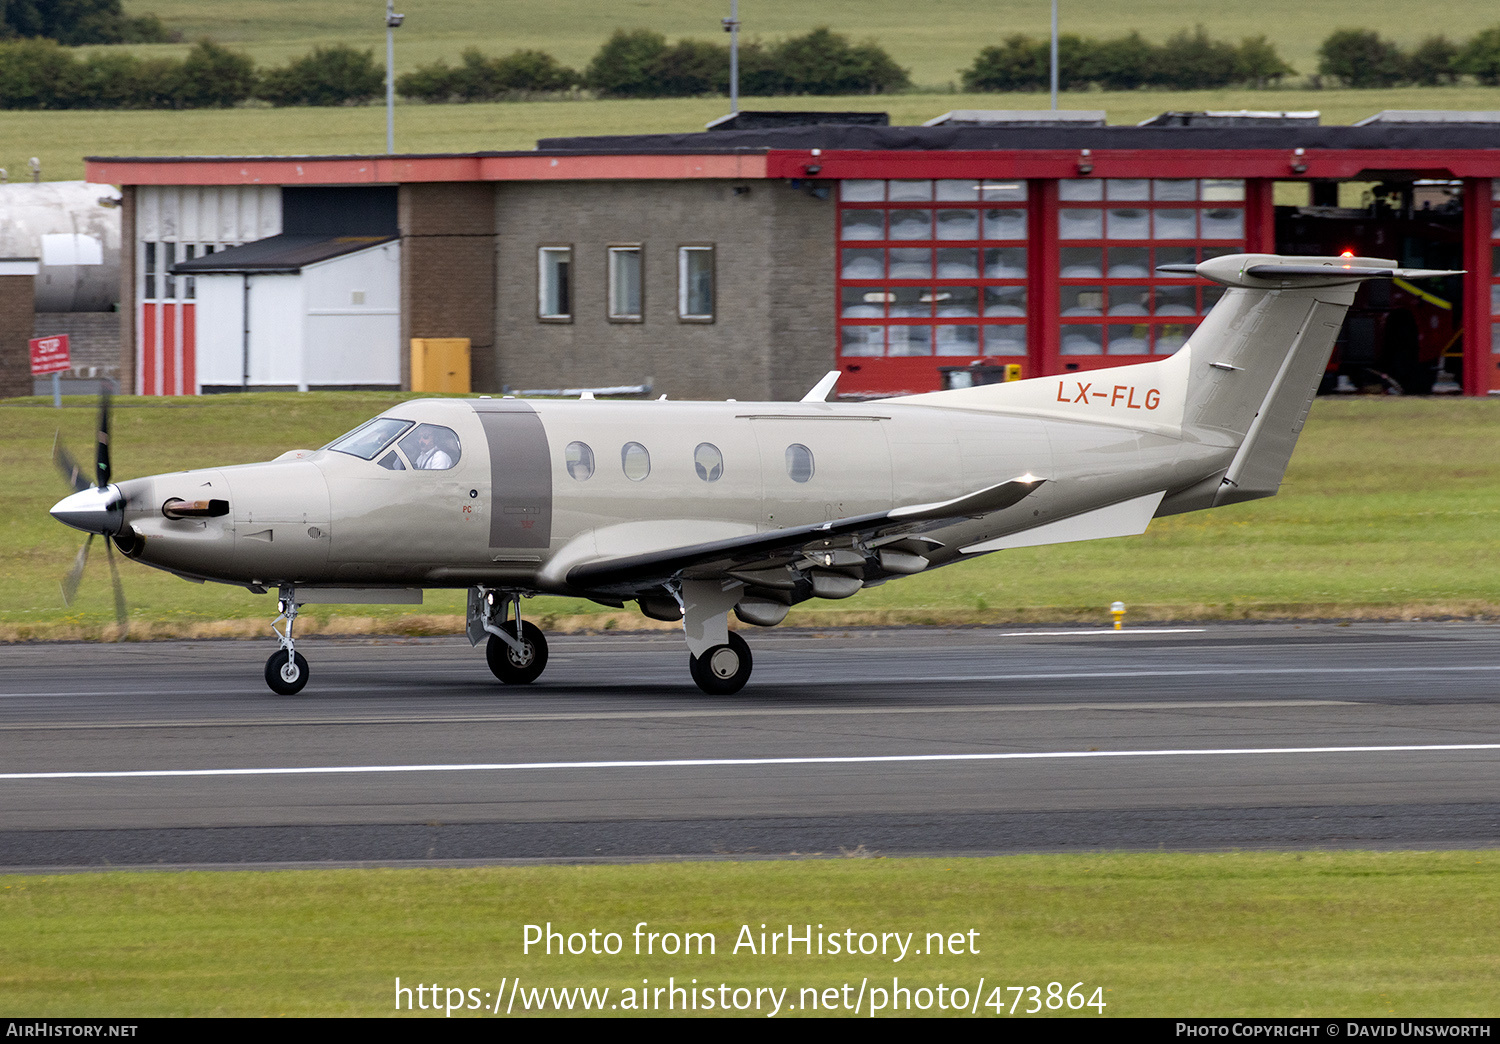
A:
x: 934, y: 40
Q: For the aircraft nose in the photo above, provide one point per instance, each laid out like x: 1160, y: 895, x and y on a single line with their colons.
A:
x: 93, y: 510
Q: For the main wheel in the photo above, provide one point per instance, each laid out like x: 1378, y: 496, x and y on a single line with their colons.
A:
x: 724, y: 669
x: 286, y: 674
x: 518, y: 668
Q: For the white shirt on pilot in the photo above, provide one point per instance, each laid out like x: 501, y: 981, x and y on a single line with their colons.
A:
x: 434, y: 459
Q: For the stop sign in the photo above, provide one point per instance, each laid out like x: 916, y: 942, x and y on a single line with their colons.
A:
x: 49, y: 355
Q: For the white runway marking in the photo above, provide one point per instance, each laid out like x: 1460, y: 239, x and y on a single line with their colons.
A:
x: 1107, y: 630
x: 869, y: 759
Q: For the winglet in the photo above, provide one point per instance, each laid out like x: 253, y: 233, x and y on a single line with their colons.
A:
x: 823, y: 388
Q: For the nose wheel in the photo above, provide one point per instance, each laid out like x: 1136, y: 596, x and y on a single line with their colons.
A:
x: 286, y: 672
x: 517, y: 666
x: 724, y: 669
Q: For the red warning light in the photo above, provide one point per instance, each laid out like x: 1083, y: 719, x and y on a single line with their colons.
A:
x: 1347, y: 253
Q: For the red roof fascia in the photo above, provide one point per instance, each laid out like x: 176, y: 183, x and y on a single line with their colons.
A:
x: 276, y: 170
x: 1131, y: 163
x: 595, y: 167
x: 991, y: 163
x: 381, y: 170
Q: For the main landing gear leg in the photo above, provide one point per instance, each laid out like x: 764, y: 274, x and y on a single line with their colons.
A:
x: 516, y: 650
x: 720, y: 661
x: 286, y: 670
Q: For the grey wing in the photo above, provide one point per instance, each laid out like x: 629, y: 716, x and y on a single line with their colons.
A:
x: 837, y: 554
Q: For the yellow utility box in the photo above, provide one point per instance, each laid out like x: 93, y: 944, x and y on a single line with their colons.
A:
x: 1012, y: 372
x: 440, y: 364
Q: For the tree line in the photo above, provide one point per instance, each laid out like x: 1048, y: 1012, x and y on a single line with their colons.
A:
x: 42, y: 74
x: 1357, y: 58
x: 1360, y: 58
x: 38, y: 72
x: 1187, y: 61
x: 75, y: 22
x: 641, y: 64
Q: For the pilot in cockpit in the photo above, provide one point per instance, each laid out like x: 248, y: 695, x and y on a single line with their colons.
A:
x: 431, y: 448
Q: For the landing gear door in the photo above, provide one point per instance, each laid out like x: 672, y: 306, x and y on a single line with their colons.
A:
x: 474, y: 625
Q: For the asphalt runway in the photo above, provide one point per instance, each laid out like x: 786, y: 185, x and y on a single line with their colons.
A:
x: 884, y: 741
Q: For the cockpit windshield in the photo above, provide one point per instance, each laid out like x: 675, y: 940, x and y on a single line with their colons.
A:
x: 370, y: 438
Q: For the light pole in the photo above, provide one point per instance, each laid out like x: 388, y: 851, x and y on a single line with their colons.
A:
x: 392, y: 20
x: 732, y: 27
x: 1054, y: 55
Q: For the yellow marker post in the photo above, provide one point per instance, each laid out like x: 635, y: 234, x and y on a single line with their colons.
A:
x: 1117, y: 610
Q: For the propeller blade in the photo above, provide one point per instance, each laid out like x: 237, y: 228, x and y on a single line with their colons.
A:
x: 114, y: 573
x: 68, y: 466
x: 70, y: 582
x: 101, y: 451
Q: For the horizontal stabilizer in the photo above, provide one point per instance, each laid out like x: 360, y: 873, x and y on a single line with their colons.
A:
x: 1277, y: 271
x: 1272, y: 271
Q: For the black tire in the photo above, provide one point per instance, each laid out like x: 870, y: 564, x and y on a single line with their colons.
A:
x: 518, y: 668
x: 724, y: 669
x: 286, y: 679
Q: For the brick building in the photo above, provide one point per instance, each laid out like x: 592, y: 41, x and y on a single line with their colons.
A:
x: 746, y: 263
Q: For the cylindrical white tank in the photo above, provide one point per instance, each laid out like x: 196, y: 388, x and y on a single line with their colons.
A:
x: 73, y: 228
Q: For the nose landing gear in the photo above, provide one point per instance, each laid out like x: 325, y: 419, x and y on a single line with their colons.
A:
x: 286, y: 670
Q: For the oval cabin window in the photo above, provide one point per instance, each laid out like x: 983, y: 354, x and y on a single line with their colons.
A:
x: 580, y: 460
x: 708, y: 462
x: 799, y: 462
x: 635, y: 461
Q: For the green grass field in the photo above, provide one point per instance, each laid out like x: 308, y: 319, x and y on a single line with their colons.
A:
x: 935, y: 44
x: 1316, y: 934
x: 61, y: 139
x: 1389, y: 510
x: 934, y: 41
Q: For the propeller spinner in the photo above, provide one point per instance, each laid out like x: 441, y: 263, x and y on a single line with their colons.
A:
x: 98, y: 510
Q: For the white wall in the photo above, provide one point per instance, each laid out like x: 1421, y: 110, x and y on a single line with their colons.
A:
x: 219, y: 331
x: 349, y: 342
x: 306, y: 329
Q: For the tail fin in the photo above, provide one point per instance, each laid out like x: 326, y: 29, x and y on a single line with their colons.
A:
x: 1260, y: 354
x: 1244, y: 381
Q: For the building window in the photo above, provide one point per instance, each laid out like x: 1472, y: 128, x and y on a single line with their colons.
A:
x: 169, y: 281
x: 695, y: 284
x: 625, y: 288
x: 554, y: 283
x: 1114, y: 233
x: 932, y: 268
